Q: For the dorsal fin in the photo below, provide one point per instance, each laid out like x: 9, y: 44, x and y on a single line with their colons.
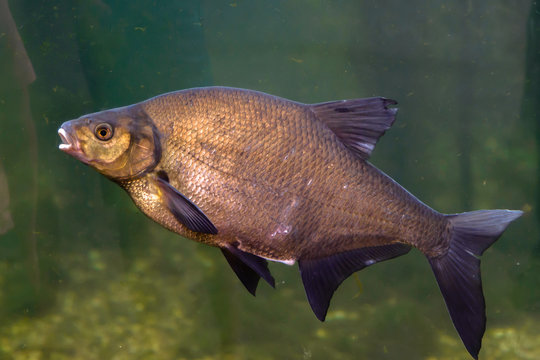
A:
x: 359, y: 123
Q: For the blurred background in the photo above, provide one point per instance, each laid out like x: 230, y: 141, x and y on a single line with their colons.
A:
x: 84, y: 275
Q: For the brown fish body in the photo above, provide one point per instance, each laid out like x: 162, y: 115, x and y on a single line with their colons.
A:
x: 263, y: 177
x: 276, y: 180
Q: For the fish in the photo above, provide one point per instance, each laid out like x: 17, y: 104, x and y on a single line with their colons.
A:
x: 265, y: 178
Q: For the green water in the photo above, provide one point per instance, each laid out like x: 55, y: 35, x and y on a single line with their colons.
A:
x: 84, y: 275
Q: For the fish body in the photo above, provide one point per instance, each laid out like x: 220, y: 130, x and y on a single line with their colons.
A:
x: 274, y: 179
x: 265, y: 178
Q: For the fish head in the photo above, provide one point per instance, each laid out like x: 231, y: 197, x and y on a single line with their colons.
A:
x: 121, y: 143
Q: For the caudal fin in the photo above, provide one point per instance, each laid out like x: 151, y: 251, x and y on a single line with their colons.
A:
x: 458, y: 271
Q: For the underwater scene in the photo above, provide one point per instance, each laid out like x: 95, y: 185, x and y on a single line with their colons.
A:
x: 85, y: 274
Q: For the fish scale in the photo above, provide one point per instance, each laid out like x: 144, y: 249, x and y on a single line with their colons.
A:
x: 266, y: 166
x: 265, y: 178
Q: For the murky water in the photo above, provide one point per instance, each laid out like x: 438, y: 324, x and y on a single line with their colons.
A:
x: 84, y: 275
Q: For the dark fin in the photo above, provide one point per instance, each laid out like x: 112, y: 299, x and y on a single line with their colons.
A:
x: 184, y: 210
x: 248, y: 267
x: 247, y: 275
x: 163, y: 175
x: 321, y: 277
x: 458, y: 271
x: 359, y: 123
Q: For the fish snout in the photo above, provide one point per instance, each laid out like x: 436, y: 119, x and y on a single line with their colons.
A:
x: 70, y: 144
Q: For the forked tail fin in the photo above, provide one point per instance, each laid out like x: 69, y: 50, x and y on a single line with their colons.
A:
x: 458, y: 271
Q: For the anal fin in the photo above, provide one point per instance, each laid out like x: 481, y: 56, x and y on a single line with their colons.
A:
x: 248, y: 267
x: 321, y: 277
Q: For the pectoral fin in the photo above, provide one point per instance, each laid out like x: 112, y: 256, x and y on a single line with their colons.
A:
x: 248, y: 267
x: 184, y: 210
x: 321, y: 277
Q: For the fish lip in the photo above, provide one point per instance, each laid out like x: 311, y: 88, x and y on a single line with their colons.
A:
x: 70, y: 145
x: 67, y: 142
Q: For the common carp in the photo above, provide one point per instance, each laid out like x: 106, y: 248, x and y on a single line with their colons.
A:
x: 265, y: 178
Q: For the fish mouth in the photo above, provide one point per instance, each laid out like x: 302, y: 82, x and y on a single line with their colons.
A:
x: 70, y: 145
x: 67, y: 143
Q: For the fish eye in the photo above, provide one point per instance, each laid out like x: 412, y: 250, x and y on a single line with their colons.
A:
x: 104, y: 132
